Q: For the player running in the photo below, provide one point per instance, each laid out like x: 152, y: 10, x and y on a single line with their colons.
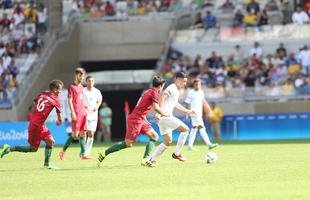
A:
x: 196, y: 101
x: 137, y: 122
x: 167, y: 124
x: 78, y: 114
x: 93, y: 100
x: 37, y: 130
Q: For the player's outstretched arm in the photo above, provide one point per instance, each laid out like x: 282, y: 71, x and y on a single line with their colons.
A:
x: 159, y: 110
x: 183, y: 109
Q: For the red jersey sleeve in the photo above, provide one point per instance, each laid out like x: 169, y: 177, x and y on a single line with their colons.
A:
x: 70, y: 91
x: 155, y: 96
x: 58, y: 106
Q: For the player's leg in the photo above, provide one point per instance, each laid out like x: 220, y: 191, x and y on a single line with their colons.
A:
x: 192, y: 137
x: 34, y: 140
x: 151, y: 133
x: 91, y: 127
x: 132, y: 132
x: 107, y: 133
x: 205, y: 138
x: 82, y: 136
x: 70, y: 140
x: 183, y: 129
x: 49, y: 140
x: 160, y: 149
x: 89, y: 142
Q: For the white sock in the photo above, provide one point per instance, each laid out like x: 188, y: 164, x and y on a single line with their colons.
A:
x: 205, y: 136
x: 181, y: 141
x: 159, y: 150
x: 89, y: 145
x: 192, y: 137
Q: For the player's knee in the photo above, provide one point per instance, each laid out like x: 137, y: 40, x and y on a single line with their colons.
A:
x: 155, y: 137
x: 168, y: 141
x: 129, y: 144
x: 34, y: 149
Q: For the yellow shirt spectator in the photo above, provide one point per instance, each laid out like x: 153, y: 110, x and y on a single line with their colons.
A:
x: 293, y: 68
x: 250, y: 19
x: 217, y: 115
x: 31, y: 13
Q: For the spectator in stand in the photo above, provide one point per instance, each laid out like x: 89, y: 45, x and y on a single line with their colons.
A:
x: 5, y: 23
x: 198, y: 23
x: 238, y: 54
x: 18, y: 17
x: 299, y: 17
x: 286, y: 11
x: 31, y: 13
x: 305, y: 60
x: 307, y: 6
x: 263, y: 18
x: 271, y: 5
x: 281, y: 51
x: 238, y: 19
x: 141, y: 8
x: 250, y: 19
x: 108, y: 9
x: 256, y: 51
x: 42, y: 16
x: 293, y: 68
x: 227, y: 6
x: 209, y: 20
x: 253, y: 7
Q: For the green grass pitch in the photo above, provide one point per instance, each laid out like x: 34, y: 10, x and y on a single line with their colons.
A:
x: 260, y: 170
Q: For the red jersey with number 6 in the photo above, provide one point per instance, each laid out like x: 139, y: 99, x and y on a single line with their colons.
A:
x: 44, y: 104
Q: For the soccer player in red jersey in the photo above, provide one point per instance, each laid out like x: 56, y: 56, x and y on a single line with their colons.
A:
x: 37, y: 130
x: 137, y: 122
x: 78, y: 114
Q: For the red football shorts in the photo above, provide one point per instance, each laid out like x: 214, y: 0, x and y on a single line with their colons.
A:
x: 135, y: 127
x: 79, y: 124
x: 37, y: 133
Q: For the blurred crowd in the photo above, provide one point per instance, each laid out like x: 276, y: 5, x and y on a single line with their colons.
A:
x: 283, y: 69
x: 22, y: 26
x: 253, y: 15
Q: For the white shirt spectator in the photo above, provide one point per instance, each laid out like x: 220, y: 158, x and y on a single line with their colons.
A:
x: 18, y: 18
x: 6, y: 61
x: 300, y: 18
x: 42, y: 16
x: 257, y: 51
x: 305, y: 57
x: 2, y: 50
x: 1, y: 69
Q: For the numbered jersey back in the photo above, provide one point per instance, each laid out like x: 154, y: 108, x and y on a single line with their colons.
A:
x: 44, y: 104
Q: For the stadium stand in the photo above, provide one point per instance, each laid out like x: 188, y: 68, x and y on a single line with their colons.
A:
x: 22, y: 28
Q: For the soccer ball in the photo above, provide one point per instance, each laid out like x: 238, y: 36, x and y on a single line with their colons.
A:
x: 211, y: 157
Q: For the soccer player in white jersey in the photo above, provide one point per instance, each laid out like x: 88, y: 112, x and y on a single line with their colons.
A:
x: 196, y: 102
x: 93, y: 100
x: 167, y: 124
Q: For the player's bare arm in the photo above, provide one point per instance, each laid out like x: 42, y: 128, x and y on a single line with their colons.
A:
x: 159, y: 110
x: 59, y: 119
x: 183, y: 109
x: 207, y: 108
x: 73, y: 114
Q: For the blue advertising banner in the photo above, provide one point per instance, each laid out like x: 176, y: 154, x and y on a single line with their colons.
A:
x: 16, y: 133
x: 254, y: 127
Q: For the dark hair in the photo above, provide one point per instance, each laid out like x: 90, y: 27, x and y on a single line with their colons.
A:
x: 88, y: 77
x: 55, y: 84
x: 157, y: 81
x: 180, y: 75
x: 79, y: 70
